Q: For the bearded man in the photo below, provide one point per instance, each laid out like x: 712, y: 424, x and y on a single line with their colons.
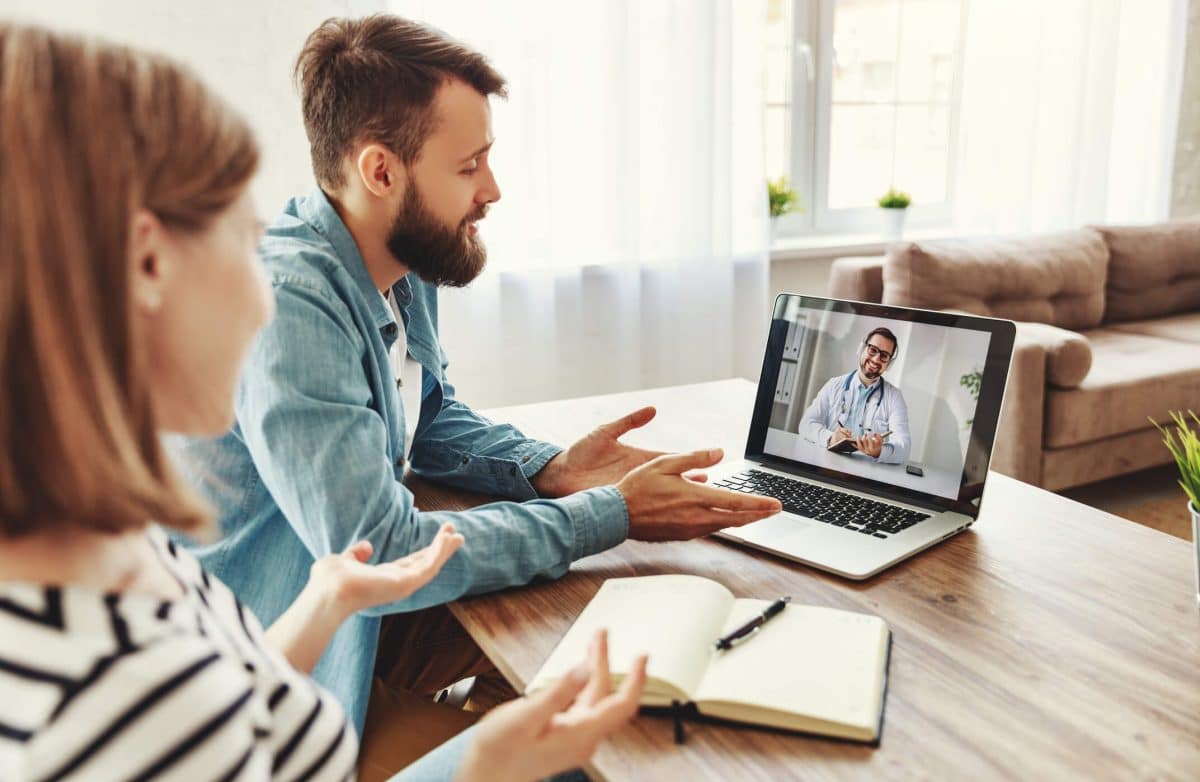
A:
x: 347, y: 387
x: 861, y: 407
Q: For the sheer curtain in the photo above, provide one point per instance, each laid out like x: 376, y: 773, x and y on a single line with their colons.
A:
x: 1069, y: 113
x: 629, y: 249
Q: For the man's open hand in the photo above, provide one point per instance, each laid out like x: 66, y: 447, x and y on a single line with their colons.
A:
x: 664, y: 505
x: 598, y: 459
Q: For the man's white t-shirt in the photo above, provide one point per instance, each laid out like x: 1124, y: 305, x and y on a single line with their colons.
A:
x: 407, y: 373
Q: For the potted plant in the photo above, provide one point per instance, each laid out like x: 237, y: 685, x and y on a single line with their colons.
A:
x: 1184, y: 445
x: 781, y: 200
x: 894, y: 203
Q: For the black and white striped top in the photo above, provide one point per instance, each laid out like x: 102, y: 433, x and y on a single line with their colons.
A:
x: 127, y: 686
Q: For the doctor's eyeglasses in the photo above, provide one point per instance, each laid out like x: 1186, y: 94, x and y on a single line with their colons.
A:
x: 882, y: 356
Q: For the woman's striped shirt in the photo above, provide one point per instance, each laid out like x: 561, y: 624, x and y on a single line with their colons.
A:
x: 128, y: 686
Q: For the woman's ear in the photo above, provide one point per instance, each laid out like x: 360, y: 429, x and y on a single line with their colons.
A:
x: 148, y: 256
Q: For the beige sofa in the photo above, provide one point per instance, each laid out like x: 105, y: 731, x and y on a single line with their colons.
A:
x: 1108, y: 336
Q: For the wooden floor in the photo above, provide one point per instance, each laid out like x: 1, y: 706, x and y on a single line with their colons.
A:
x: 1151, y: 497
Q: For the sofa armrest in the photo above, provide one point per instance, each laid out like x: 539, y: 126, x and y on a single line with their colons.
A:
x: 1017, y: 451
x: 857, y: 278
x: 1042, y: 354
x: 1068, y: 354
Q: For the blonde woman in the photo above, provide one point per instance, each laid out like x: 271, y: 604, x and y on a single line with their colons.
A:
x: 129, y: 294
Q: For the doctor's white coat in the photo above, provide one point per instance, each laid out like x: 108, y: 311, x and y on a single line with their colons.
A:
x: 885, y: 411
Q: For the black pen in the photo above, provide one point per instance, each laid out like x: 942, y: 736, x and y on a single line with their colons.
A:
x: 748, y: 629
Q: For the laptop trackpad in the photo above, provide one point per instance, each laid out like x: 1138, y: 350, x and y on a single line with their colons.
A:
x: 775, y: 531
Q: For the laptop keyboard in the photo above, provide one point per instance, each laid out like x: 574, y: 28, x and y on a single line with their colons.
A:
x: 834, y: 507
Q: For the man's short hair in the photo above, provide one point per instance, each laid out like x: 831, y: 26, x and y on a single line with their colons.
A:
x: 887, y: 334
x: 374, y: 80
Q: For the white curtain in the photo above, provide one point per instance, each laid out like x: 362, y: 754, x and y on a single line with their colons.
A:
x: 1069, y: 112
x: 629, y: 248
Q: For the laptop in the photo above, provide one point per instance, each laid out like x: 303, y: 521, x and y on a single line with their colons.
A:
x: 874, y: 426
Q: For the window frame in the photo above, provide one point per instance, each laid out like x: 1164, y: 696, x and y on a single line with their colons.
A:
x: 809, y: 130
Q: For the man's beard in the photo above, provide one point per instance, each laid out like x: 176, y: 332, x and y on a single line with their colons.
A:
x: 438, y: 255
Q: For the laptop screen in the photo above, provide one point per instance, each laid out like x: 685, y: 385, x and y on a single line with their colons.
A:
x: 901, y: 401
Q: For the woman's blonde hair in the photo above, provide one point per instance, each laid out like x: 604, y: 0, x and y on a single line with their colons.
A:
x: 90, y: 133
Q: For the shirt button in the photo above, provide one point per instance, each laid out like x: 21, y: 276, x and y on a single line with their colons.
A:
x: 465, y: 460
x: 524, y: 460
x: 512, y: 471
x: 400, y: 462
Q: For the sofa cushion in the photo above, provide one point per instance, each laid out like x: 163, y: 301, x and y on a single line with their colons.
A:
x: 858, y: 278
x: 1133, y: 377
x: 1184, y: 328
x: 1153, y: 269
x: 1056, y: 279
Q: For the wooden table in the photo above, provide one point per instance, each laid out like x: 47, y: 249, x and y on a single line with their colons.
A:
x: 1051, y: 641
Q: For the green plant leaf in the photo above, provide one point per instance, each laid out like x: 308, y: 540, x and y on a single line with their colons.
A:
x: 1183, y: 443
x: 895, y: 199
x: 781, y: 198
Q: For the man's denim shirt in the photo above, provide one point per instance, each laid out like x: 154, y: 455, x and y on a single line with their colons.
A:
x: 315, y: 459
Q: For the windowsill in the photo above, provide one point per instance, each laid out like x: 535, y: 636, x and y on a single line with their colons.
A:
x: 825, y: 246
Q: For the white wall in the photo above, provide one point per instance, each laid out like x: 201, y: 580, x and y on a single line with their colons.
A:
x: 243, y: 50
x: 807, y: 276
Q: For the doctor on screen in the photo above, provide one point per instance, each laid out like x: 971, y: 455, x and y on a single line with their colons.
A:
x: 862, y: 406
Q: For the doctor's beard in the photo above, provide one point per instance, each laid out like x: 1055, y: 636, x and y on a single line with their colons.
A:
x: 864, y: 368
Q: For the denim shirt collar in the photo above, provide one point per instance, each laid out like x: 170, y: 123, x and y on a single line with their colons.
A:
x: 317, y: 211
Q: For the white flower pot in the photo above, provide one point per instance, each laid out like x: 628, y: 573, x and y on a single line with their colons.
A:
x: 893, y: 222
x: 1196, y: 546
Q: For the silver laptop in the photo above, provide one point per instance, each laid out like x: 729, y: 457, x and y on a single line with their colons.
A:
x: 874, y: 426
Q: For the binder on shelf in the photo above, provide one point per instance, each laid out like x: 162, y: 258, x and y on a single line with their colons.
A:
x: 791, y: 345
x: 789, y: 340
x: 789, y: 380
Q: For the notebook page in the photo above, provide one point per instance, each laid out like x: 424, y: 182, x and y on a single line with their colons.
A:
x: 674, y: 618
x: 822, y: 663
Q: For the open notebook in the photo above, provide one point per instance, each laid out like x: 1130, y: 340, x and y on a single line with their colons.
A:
x: 811, y: 669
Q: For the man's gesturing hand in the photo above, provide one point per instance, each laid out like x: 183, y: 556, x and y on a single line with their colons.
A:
x: 664, y: 505
x: 597, y: 459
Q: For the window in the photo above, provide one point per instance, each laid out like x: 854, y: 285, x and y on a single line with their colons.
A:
x: 862, y: 95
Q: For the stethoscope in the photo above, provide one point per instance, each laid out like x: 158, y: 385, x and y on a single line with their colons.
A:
x: 866, y: 402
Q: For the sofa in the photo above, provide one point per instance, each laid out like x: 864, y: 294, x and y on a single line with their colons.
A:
x: 1108, y: 336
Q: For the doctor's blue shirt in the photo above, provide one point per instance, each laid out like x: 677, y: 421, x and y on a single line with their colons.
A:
x: 856, y: 420
x: 858, y: 408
